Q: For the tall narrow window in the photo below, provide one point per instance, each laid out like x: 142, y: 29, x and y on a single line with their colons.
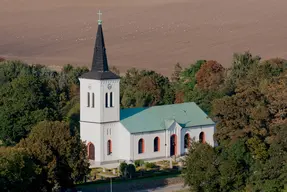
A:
x: 111, y: 99
x: 91, y: 151
x: 186, y: 141
x: 93, y: 100
x: 156, y: 144
x: 109, y: 147
x: 141, y: 146
x: 106, y: 101
x: 88, y: 99
x: 202, y: 137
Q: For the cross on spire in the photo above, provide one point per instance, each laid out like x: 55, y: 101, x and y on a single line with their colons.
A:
x: 100, y: 68
x: 99, y: 21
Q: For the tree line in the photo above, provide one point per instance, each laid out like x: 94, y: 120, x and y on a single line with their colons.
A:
x: 39, y: 127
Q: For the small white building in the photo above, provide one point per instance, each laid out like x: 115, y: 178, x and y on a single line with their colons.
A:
x: 113, y: 135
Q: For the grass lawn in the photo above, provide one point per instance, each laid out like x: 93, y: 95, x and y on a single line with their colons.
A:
x: 92, y: 185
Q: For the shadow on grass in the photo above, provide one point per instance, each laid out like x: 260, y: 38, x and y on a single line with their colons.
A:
x: 136, y: 184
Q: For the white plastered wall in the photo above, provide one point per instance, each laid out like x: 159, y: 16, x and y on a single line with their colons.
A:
x: 148, y: 138
x: 194, y: 132
x: 99, y: 112
x: 91, y: 132
x: 96, y: 118
x: 120, y: 139
x: 165, y: 136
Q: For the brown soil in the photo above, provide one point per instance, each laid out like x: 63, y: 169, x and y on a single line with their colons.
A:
x: 152, y: 34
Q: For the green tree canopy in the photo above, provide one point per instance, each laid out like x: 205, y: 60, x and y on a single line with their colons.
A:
x: 200, y: 172
x: 33, y: 93
x: 59, y: 152
x: 18, y: 172
x: 23, y: 102
x: 145, y: 88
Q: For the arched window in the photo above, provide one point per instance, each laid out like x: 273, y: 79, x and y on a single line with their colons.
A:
x: 202, y: 137
x: 106, y: 101
x: 186, y: 140
x: 91, y: 151
x: 156, y: 144
x: 109, y: 147
x: 111, y: 99
x: 141, y: 146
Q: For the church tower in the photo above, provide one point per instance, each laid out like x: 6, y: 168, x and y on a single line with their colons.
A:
x: 100, y: 87
x: 99, y: 99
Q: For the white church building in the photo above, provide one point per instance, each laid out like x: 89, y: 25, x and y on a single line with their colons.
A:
x: 113, y: 134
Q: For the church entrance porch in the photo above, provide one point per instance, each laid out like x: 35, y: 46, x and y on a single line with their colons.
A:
x: 173, y: 145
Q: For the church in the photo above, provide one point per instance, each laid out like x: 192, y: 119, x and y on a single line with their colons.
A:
x: 113, y: 135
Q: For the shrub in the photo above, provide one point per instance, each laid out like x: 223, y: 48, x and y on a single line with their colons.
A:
x: 130, y: 171
x: 149, y: 165
x: 139, y: 163
x: 123, y: 167
x: 93, y: 174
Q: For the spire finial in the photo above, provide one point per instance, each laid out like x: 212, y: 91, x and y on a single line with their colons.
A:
x: 99, y: 21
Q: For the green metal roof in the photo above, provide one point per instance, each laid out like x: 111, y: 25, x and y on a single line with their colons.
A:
x: 161, y: 117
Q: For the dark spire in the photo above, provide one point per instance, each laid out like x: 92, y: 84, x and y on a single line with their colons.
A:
x: 100, y: 62
x: 100, y: 68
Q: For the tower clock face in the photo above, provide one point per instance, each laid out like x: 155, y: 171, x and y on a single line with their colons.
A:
x: 109, y: 86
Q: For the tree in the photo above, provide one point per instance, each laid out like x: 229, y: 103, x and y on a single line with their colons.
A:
x: 115, y: 70
x: 185, y: 82
x: 200, y: 168
x: 243, y: 115
x: 175, y: 77
x: 203, y: 98
x: 235, y: 162
x: 33, y: 93
x: 188, y: 75
x: 18, y: 172
x: 270, y: 175
x: 23, y: 103
x: 276, y: 95
x: 179, y: 97
x: 210, y: 76
x: 59, y: 152
x: 241, y: 66
x: 2, y: 59
x: 145, y: 88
